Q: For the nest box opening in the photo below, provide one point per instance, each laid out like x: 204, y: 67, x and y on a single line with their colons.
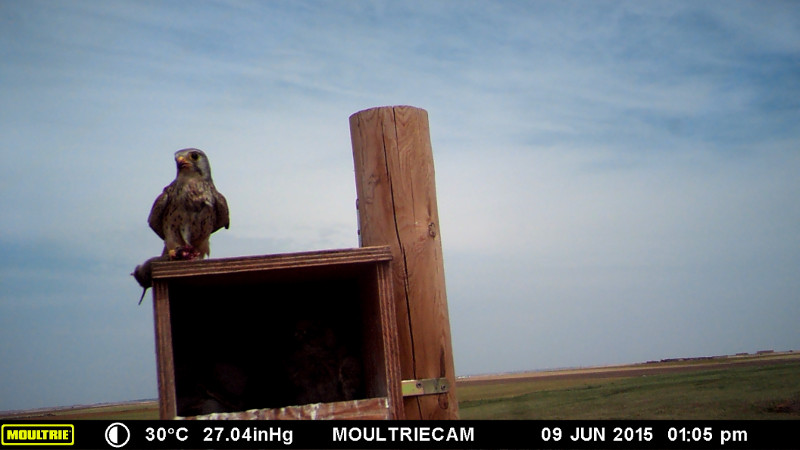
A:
x: 266, y: 333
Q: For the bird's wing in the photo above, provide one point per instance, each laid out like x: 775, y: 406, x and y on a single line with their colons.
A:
x: 156, y: 219
x: 221, y: 207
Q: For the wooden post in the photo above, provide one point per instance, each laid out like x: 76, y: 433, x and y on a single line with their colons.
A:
x: 397, y: 207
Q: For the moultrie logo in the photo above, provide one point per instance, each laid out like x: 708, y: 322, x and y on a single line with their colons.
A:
x: 38, y: 434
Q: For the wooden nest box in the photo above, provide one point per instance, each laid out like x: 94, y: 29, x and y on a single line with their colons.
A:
x: 288, y: 336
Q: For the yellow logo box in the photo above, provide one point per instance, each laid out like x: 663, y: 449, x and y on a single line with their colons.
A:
x: 38, y: 434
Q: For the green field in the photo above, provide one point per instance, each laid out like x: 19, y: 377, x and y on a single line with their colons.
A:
x: 141, y: 410
x: 751, y: 387
x: 742, y: 391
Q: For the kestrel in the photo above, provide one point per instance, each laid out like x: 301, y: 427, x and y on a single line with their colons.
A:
x: 189, y: 209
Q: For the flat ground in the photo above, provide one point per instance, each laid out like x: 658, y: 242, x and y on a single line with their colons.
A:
x: 764, y: 386
x: 635, y: 370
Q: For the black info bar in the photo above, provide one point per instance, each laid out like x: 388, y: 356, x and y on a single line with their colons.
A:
x: 458, y: 434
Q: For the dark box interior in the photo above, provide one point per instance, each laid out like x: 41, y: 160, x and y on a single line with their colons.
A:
x: 276, y: 338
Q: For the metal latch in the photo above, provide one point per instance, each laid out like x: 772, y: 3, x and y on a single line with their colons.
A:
x: 425, y: 386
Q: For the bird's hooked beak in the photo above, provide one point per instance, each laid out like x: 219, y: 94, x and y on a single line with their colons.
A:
x: 183, y: 162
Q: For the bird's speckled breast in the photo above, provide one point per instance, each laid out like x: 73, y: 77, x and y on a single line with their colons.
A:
x: 196, y: 195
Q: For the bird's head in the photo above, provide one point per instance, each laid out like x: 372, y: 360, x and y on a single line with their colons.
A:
x: 193, y: 162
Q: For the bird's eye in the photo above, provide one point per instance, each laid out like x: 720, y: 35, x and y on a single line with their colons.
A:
x: 195, y: 155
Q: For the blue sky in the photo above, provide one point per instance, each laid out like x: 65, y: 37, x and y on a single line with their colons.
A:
x: 617, y: 181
